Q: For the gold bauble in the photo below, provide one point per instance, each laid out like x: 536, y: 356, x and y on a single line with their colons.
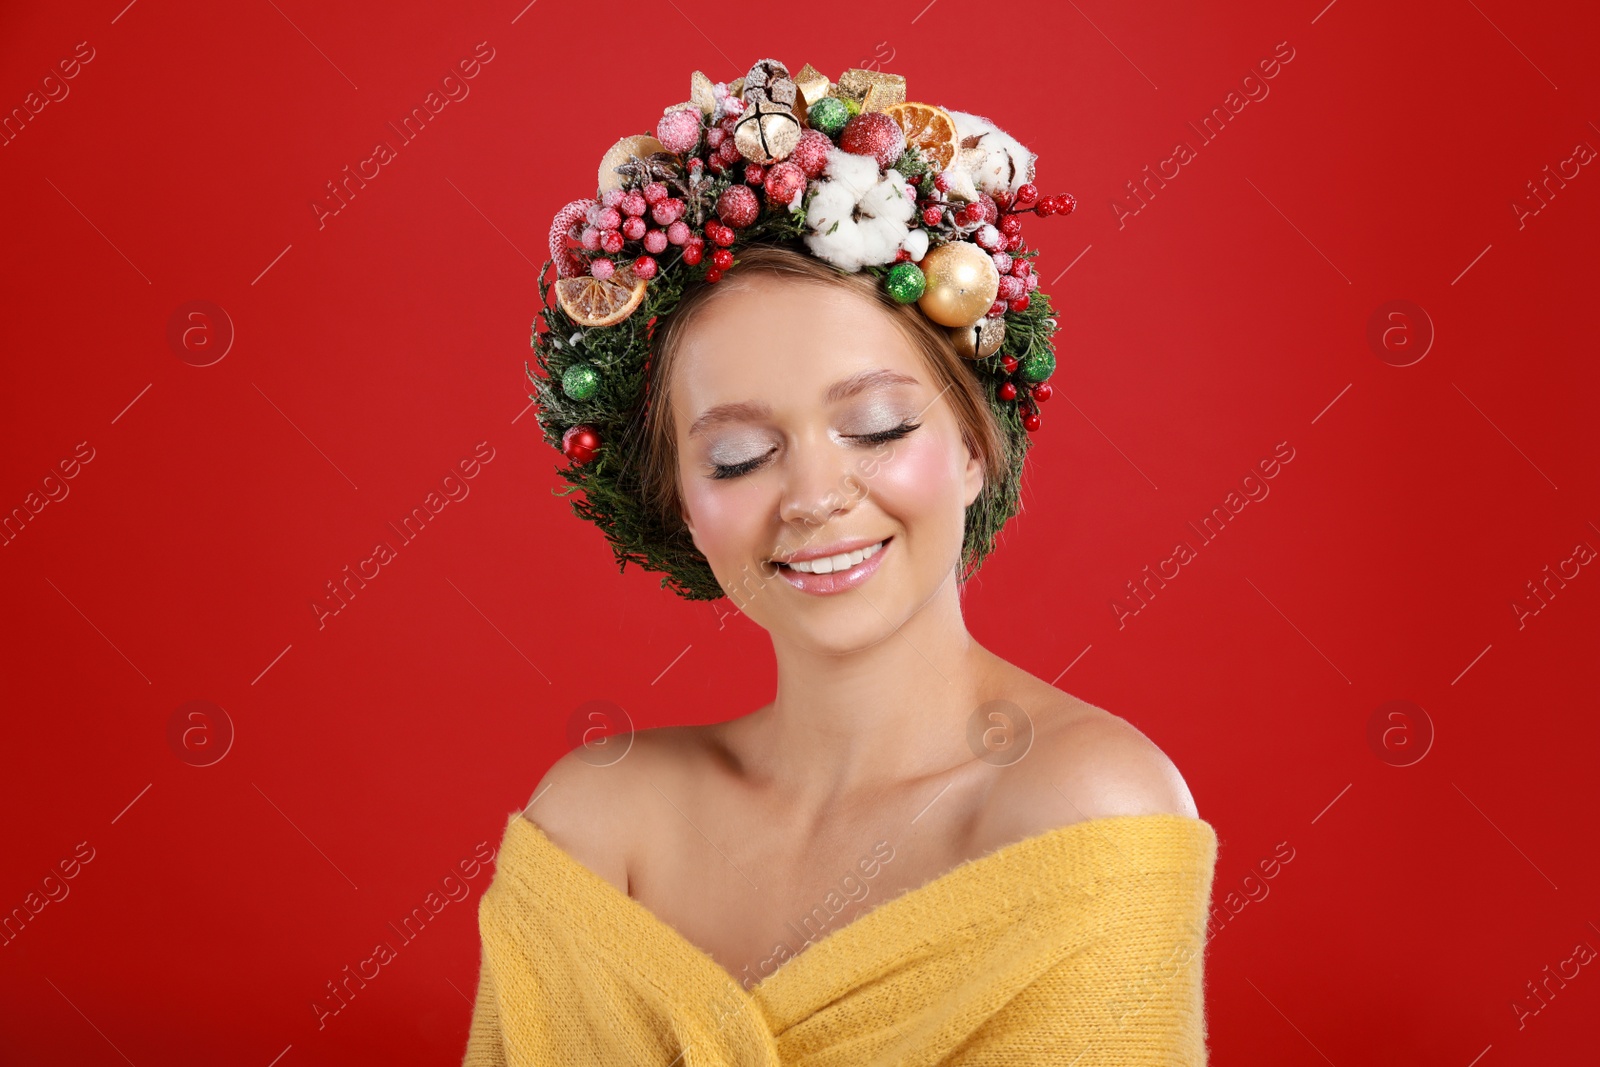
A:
x: 962, y: 284
x: 981, y: 339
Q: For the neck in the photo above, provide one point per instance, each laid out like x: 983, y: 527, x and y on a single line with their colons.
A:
x: 844, y: 725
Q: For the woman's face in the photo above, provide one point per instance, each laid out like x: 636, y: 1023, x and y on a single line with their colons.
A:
x: 778, y: 455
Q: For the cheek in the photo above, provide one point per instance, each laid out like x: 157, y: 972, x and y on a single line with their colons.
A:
x: 727, y: 516
x: 917, y: 475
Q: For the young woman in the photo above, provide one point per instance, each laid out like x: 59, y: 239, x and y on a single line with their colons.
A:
x: 916, y: 852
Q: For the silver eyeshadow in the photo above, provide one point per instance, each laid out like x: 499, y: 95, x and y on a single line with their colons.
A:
x: 726, y: 452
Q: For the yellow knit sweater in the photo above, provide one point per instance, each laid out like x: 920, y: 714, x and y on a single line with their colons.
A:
x: 1082, y: 945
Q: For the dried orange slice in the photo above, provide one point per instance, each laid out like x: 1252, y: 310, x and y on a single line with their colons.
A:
x: 590, y: 301
x: 929, y: 127
x: 641, y: 145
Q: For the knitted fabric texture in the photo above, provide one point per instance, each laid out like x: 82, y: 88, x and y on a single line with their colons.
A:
x: 1081, y: 945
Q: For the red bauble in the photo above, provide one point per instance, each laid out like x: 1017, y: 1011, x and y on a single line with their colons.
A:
x: 875, y: 134
x: 783, y: 181
x: 580, y: 444
x: 738, y: 206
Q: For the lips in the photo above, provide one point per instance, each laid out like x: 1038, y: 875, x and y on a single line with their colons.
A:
x: 838, y: 581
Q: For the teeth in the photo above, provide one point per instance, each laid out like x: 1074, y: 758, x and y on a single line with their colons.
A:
x: 829, y: 564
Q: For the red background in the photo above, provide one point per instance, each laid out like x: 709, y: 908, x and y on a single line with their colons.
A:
x: 372, y: 755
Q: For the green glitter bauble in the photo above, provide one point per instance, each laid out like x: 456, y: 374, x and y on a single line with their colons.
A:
x: 905, y: 282
x: 1038, y: 366
x: 580, y: 381
x: 829, y: 115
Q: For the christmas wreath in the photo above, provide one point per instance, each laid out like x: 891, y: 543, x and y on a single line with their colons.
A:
x: 932, y: 201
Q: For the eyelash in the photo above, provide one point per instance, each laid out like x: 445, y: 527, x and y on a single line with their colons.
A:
x: 736, y: 470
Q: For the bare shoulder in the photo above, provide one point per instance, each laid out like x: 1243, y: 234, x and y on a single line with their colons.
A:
x: 1087, y: 763
x: 591, y: 800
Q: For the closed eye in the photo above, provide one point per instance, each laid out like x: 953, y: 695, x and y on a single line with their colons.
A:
x: 735, y: 470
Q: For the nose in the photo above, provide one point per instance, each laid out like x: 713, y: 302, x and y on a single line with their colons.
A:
x: 819, y: 481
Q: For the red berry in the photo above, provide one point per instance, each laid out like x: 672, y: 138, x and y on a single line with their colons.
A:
x: 753, y: 173
x: 1020, y: 303
x: 1031, y: 422
x: 932, y: 215
x: 1067, y: 202
x: 725, y: 235
x: 941, y: 183
x: 633, y: 227
x: 1007, y: 391
x: 654, y: 193
x: 691, y: 254
x: 1002, y: 262
x: 713, y: 274
x: 729, y: 152
x: 611, y: 242
x: 1013, y: 242
x: 997, y: 308
x: 1033, y: 282
x: 644, y: 267
x: 634, y: 204
x: 715, y: 136
x: 1002, y: 200
x: 1011, y: 287
x: 1010, y: 225
x: 1041, y: 391
x: 722, y: 259
x: 1009, y: 363
x: 902, y: 256
x: 985, y: 206
x: 1021, y: 267
x: 1027, y: 196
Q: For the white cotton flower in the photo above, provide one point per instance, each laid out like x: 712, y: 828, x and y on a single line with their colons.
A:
x: 916, y: 243
x: 996, y: 163
x: 858, y: 217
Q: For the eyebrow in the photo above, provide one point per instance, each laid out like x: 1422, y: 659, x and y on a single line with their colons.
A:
x: 751, y: 410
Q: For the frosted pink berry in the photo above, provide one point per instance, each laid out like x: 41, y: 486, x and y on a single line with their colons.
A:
x: 678, y: 232
x: 1002, y: 262
x: 602, y: 268
x: 633, y: 204
x: 997, y: 308
x: 729, y: 152
x: 655, y: 242
x: 609, y: 218
x: 738, y: 206
x: 611, y: 242
x: 811, y: 153
x: 1011, y: 287
x: 611, y: 198
x: 633, y: 227
x: 753, y: 173
x: 989, y: 238
x: 715, y: 136
x: 655, y: 192
x: 679, y: 131
x: 591, y: 238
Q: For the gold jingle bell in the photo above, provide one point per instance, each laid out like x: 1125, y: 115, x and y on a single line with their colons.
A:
x: 962, y: 283
x: 981, y: 339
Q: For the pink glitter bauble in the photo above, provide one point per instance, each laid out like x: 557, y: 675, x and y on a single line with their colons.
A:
x: 783, y: 181
x: 872, y: 133
x: 811, y: 154
x: 679, y: 131
x: 738, y: 206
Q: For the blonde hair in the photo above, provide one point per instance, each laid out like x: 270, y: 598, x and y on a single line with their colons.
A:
x: 1000, y: 447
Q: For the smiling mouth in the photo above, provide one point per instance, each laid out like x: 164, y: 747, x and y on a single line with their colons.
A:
x: 834, y: 564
